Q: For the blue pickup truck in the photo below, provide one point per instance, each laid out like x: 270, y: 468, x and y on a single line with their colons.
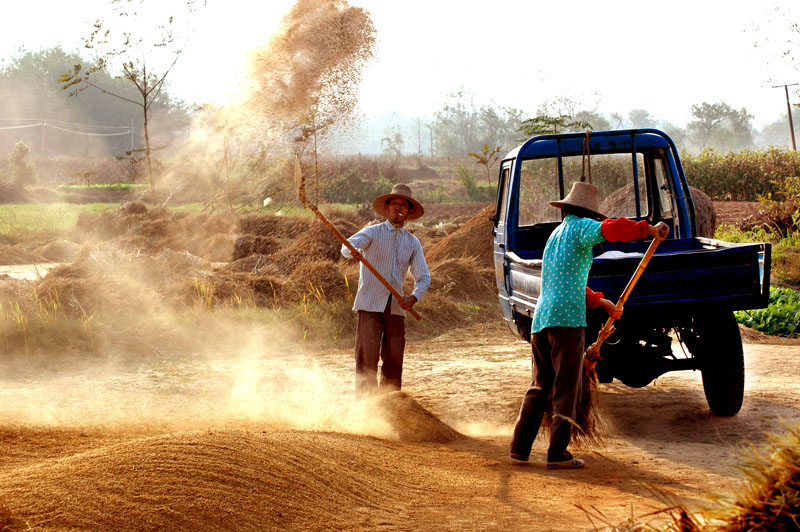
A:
x: 679, y: 316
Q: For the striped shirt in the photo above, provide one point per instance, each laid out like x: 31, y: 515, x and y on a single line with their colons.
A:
x: 392, y: 252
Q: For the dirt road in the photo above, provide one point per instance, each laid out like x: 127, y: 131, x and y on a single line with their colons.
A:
x: 271, y: 441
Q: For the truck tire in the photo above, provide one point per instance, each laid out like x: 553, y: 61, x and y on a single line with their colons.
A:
x: 721, y: 361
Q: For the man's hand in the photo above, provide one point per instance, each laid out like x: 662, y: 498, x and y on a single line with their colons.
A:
x: 611, y: 308
x: 355, y: 255
x: 660, y: 230
x: 407, y: 302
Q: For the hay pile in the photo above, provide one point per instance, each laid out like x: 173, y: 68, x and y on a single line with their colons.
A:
x: 472, y: 240
x: 18, y: 255
x: 621, y: 203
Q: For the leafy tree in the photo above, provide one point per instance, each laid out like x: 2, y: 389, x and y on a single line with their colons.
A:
x: 132, y: 51
x: 640, y: 118
x: 487, y: 159
x: 677, y: 134
x: 777, y: 133
x: 393, y: 142
x: 460, y: 126
x: 597, y: 121
x: 721, y: 126
x: 21, y: 170
x: 551, y: 125
x: 456, y: 125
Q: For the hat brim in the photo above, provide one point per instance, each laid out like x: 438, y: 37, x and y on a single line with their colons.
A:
x: 562, y: 204
x: 415, y: 212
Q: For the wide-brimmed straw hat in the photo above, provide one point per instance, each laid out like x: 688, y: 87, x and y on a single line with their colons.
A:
x: 400, y: 190
x: 583, y: 195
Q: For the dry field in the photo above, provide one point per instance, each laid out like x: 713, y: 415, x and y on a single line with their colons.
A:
x: 260, y: 432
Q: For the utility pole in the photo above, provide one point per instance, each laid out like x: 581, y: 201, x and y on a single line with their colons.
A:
x: 789, y: 109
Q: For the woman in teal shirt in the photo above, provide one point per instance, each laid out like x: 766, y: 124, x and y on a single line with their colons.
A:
x: 559, y: 321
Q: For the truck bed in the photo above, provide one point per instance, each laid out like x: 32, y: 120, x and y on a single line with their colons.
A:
x: 683, y: 275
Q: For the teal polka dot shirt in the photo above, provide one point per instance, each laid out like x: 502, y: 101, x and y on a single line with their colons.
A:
x: 565, y: 271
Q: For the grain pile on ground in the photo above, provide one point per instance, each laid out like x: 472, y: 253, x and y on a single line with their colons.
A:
x: 409, y: 420
x: 621, y: 203
x: 473, y: 239
x: 210, y: 480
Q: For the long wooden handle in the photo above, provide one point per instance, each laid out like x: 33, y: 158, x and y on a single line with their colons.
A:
x: 593, y: 352
x: 301, y: 192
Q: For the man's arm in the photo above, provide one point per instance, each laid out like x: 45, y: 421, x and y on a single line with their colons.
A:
x: 419, y: 269
x: 360, y: 240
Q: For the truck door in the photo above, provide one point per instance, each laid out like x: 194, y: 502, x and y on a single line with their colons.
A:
x: 500, y: 234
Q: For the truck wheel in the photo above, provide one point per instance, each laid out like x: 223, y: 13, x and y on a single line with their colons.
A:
x: 721, y: 362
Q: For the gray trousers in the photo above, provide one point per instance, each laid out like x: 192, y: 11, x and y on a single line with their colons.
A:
x: 379, y: 336
x: 557, y: 359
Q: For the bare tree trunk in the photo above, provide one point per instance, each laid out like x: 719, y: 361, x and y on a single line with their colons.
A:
x: 147, y: 155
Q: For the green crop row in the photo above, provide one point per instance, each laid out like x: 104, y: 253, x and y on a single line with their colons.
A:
x: 780, y: 318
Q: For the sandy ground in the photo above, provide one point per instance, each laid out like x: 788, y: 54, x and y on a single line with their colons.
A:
x: 272, y: 441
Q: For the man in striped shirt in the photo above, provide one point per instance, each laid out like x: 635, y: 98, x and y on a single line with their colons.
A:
x: 392, y: 251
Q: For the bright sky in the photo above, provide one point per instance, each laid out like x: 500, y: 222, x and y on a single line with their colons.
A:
x: 610, y: 56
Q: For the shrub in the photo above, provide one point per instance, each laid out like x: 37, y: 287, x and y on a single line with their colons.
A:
x: 742, y: 176
x: 21, y: 170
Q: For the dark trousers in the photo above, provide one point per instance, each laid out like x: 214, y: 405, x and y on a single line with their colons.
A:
x: 558, y: 369
x: 379, y: 336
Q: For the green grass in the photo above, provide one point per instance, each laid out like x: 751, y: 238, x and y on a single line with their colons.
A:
x: 42, y: 222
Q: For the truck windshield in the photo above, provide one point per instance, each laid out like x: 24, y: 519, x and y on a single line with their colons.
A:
x: 611, y: 173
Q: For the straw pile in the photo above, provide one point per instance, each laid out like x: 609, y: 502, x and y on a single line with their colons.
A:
x: 621, y: 203
x: 471, y: 240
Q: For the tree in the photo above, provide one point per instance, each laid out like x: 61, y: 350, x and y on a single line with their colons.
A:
x: 551, y: 125
x: 392, y: 143
x: 456, y: 125
x: 487, y: 159
x: 21, y: 171
x: 719, y: 125
x: 122, y: 44
x: 777, y: 133
x: 640, y: 118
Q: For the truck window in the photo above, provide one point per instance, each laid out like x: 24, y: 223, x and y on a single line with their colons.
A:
x: 501, y: 207
x: 538, y: 185
x: 664, y: 192
x: 612, y: 174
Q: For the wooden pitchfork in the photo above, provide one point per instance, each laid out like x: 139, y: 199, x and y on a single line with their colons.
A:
x: 587, y: 416
x: 301, y: 193
x: 593, y: 351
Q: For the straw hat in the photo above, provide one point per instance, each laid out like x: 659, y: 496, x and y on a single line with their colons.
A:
x: 583, y: 195
x: 400, y: 190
